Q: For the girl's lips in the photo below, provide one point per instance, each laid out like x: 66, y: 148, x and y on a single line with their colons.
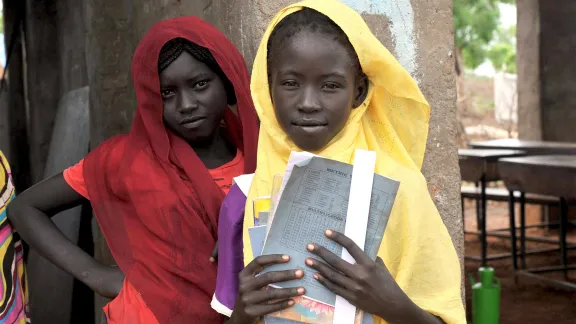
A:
x: 311, y: 128
x: 193, y: 123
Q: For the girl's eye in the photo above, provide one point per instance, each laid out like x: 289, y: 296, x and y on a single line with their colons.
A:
x: 290, y: 84
x: 201, y: 84
x: 166, y: 93
x: 331, y: 86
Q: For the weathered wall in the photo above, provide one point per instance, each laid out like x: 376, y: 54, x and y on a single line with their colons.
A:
x: 528, y: 65
x: 42, y: 62
x: 420, y: 34
x: 558, y: 69
x: 71, y: 45
x: 14, y: 141
x: 55, y: 64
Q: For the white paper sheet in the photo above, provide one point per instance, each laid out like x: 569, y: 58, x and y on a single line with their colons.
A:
x: 358, y: 209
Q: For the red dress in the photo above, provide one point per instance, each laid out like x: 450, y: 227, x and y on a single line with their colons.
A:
x: 129, y: 307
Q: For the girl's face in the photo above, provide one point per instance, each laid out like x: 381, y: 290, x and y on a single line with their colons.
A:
x: 314, y: 85
x: 194, y: 99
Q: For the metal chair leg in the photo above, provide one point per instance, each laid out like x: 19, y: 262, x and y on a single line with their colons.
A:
x: 478, y: 211
x: 523, y: 229
x: 483, y: 238
x: 563, y: 232
x: 511, y: 213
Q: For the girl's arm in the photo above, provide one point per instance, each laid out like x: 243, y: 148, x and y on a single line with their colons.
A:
x: 30, y: 214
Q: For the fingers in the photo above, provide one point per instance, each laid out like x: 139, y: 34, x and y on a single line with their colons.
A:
x: 332, y: 259
x: 335, y: 288
x: 214, y: 254
x: 265, y: 309
x: 271, y: 294
x: 331, y: 274
x: 354, y: 250
x: 262, y: 261
x: 270, y: 278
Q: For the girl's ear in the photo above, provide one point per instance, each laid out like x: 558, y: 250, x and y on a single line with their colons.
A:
x: 361, y: 90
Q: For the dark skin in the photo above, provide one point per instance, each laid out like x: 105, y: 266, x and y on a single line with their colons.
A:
x: 315, y: 85
x: 194, y: 103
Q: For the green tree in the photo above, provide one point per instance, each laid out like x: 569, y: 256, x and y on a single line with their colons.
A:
x: 475, y: 26
x: 502, y: 51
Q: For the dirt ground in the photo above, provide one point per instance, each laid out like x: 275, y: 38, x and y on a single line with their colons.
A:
x: 523, y: 300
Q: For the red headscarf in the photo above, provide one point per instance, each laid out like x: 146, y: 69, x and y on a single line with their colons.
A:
x: 153, y: 197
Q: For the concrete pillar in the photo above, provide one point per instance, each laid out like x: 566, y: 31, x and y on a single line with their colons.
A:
x: 558, y: 70
x: 420, y: 34
x: 14, y: 137
x: 528, y: 64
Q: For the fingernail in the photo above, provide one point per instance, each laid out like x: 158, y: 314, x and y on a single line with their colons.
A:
x: 328, y: 233
x: 310, y: 247
x: 285, y: 258
x: 299, y: 273
x: 316, y: 276
x: 291, y: 303
x: 212, y: 260
x: 309, y: 262
x: 301, y: 291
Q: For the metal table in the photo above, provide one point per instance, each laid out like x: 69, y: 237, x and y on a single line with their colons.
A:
x: 529, y: 147
x: 553, y: 175
x: 480, y: 166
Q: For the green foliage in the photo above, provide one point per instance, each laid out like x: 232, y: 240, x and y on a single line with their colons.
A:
x: 476, y: 24
x: 502, y: 51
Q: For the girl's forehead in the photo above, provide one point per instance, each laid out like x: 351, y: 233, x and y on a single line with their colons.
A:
x: 311, y: 47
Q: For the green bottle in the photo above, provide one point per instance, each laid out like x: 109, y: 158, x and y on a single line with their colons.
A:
x: 485, y: 297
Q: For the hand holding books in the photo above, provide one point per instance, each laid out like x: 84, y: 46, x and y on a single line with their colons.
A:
x: 256, y: 298
x: 367, y: 284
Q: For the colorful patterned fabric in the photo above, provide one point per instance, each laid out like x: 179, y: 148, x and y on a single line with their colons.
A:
x: 14, y: 286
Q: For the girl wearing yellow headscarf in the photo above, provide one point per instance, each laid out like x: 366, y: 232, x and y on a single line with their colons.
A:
x: 323, y: 83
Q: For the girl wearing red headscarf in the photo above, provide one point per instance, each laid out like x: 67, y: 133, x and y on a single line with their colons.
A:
x: 157, y: 190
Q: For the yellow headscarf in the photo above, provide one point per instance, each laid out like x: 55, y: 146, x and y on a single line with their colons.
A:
x: 393, y: 121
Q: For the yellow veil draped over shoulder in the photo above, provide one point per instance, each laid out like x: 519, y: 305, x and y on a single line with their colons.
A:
x: 393, y: 121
